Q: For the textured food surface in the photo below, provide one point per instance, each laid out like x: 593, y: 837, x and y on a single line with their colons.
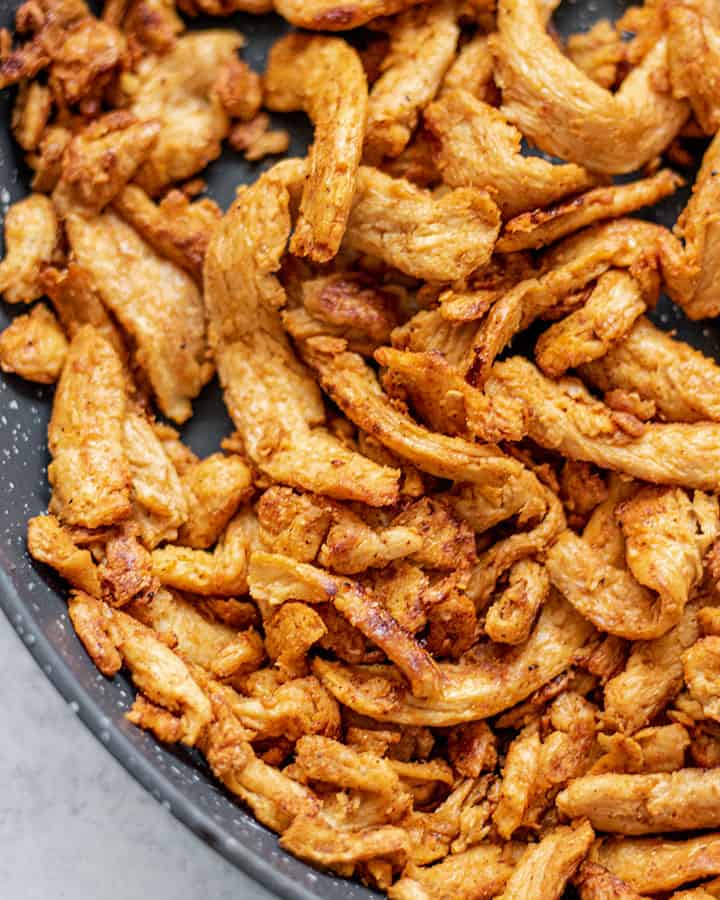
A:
x: 427, y: 580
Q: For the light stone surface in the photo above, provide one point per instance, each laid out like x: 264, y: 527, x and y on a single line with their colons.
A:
x: 73, y: 824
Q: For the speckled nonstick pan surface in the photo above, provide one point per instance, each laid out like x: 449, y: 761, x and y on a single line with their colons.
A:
x: 33, y: 598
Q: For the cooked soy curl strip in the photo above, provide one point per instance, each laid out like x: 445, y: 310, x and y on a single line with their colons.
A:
x: 442, y: 611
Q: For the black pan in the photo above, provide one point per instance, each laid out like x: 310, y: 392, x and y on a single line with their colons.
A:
x: 33, y: 598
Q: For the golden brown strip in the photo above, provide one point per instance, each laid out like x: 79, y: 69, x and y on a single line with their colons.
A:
x: 101, y: 159
x: 666, y: 537
x: 323, y: 76
x: 563, y: 416
x: 175, y: 228
x: 274, y: 798
x: 214, y: 488
x: 31, y: 235
x: 331, y: 15
x: 223, y: 572
x: 504, y: 554
x: 496, y: 679
x: 510, y: 618
x: 656, y: 864
x: 481, y: 871
x: 50, y: 543
x: 161, y: 675
x: 545, y: 868
x: 317, y: 841
x: 653, y: 674
x: 694, y: 58
x: 683, y: 384
x: 353, y: 386
x: 167, y: 326
x: 34, y: 347
x: 432, y: 238
x: 272, y: 398
x: 217, y: 647
x: 566, y: 270
x: 91, y: 620
x: 77, y: 303
x: 685, y: 800
x: 159, y: 504
x: 472, y: 69
x: 540, y: 227
x: 565, y: 113
x: 178, y: 89
x: 31, y: 112
x: 692, y: 282
x: 274, y: 578
x: 422, y: 46
x: 596, y: 883
x: 479, y: 148
x: 89, y: 472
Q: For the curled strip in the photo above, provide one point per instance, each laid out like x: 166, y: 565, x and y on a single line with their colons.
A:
x: 274, y: 798
x: 161, y: 675
x: 505, y: 553
x: 50, y: 543
x: 224, y: 571
x: 566, y: 269
x: 218, y: 648
x: 510, y: 619
x: 666, y: 537
x: 691, y: 278
x: 272, y: 398
x: 351, y: 383
x: 694, y: 58
x: 653, y: 675
x: 323, y: 76
x: 495, y: 679
x: 565, y: 113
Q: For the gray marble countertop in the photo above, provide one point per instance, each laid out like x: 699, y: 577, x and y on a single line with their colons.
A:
x: 73, y: 824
